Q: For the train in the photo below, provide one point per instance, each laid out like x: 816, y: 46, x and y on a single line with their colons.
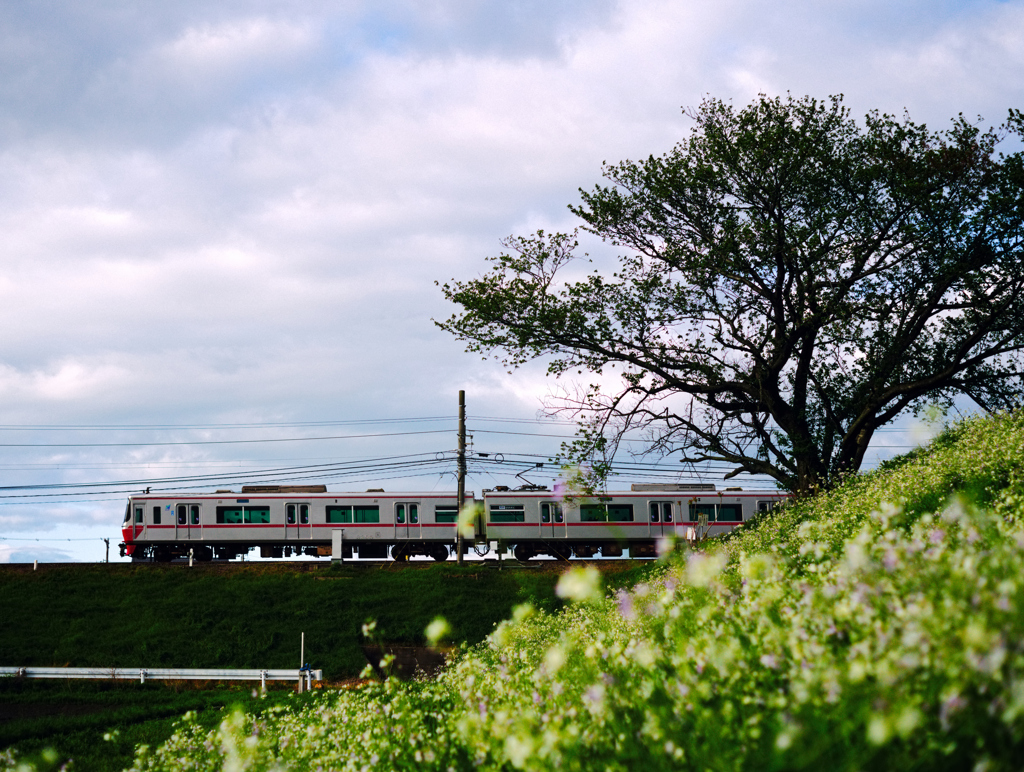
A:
x: 283, y: 521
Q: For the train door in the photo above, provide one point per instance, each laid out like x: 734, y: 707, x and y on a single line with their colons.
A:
x: 297, y: 527
x: 552, y: 520
x: 662, y: 516
x: 407, y: 520
x: 188, y: 522
x: 139, y: 517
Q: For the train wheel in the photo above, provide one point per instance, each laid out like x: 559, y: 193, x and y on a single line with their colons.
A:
x: 440, y: 554
x: 399, y: 555
x: 522, y: 553
x: 162, y: 555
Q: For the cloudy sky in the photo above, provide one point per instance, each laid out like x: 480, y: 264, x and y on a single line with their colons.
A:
x: 223, y: 221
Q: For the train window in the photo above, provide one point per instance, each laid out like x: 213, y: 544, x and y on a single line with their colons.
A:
x: 181, y: 514
x: 766, y: 506
x: 156, y: 515
x: 600, y: 513
x: 508, y: 513
x: 289, y: 514
x: 661, y: 511
x: 622, y: 513
x: 696, y: 510
x: 229, y: 515
x: 366, y: 514
x: 414, y: 514
x: 304, y: 514
x: 730, y: 513
x: 721, y: 513
x: 194, y: 513
x: 551, y: 511
x: 446, y: 513
x: 138, y: 514
x: 399, y: 513
x: 257, y: 514
x: 339, y: 514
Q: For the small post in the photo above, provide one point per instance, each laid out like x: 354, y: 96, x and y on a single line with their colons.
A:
x: 191, y: 553
x: 302, y: 658
x: 337, y: 545
x: 263, y: 680
x: 35, y: 565
x: 108, y: 549
x: 142, y: 676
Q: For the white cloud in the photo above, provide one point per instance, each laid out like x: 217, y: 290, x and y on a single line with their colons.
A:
x: 208, y: 49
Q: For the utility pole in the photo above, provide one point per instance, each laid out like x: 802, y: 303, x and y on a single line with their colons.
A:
x: 461, y: 472
x: 108, y: 549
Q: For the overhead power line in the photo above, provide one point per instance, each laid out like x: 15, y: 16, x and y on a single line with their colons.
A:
x: 210, y: 442
x: 246, y: 425
x: 272, y: 424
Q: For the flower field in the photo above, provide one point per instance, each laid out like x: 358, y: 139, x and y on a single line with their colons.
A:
x: 880, y: 626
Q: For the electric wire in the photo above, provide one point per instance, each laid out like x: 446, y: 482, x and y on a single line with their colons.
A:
x: 387, y: 467
x: 211, y: 442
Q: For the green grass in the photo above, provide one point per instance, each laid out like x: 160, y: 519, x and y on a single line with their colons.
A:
x: 248, y: 617
x: 99, y: 725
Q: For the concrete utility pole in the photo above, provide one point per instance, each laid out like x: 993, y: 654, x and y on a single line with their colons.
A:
x: 461, y: 472
x: 108, y: 549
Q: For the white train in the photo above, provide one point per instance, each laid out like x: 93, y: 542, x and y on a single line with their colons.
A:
x: 282, y: 521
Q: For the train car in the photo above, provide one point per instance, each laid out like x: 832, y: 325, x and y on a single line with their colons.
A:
x: 282, y: 521
x: 537, y: 522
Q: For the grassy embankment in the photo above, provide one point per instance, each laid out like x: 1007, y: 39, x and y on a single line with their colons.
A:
x: 245, y: 616
x: 878, y: 627
x: 211, y: 616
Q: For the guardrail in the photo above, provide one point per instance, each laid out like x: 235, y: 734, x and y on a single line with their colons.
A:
x: 168, y: 674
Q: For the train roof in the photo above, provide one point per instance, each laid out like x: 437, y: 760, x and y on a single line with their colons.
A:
x: 296, y: 492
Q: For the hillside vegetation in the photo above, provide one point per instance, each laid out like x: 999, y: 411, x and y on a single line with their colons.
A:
x: 877, y: 627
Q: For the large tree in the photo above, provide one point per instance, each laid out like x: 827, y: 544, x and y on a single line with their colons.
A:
x: 793, y: 281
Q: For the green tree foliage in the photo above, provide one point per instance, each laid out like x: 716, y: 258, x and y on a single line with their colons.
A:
x: 793, y: 281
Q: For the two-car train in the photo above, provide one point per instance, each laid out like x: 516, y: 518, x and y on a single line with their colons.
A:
x: 282, y: 521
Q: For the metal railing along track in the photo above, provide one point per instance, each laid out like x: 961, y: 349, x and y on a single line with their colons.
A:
x: 143, y: 674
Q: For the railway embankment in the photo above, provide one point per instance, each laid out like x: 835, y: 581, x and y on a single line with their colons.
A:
x: 252, y: 615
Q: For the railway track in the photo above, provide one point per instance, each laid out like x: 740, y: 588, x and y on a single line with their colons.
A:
x: 309, y: 566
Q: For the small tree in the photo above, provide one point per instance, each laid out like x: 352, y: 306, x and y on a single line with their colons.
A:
x: 793, y: 282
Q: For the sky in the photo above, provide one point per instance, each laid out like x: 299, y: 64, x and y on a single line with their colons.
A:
x: 222, y: 222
